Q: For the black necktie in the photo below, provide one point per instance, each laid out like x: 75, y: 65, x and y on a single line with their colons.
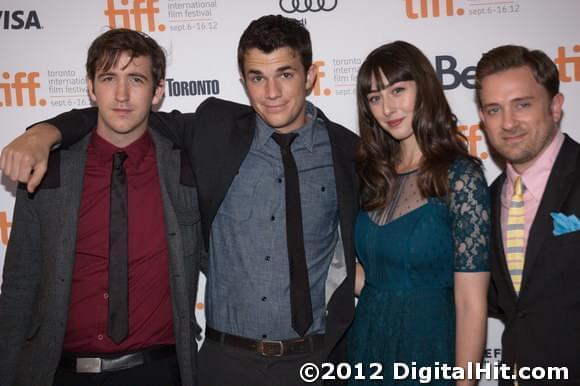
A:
x: 299, y: 285
x: 118, y: 318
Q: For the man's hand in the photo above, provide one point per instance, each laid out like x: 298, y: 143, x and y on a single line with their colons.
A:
x: 25, y: 159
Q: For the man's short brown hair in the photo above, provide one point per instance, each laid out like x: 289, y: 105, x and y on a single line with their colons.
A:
x: 508, y: 57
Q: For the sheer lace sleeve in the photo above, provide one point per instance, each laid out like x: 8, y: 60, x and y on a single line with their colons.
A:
x: 469, y: 206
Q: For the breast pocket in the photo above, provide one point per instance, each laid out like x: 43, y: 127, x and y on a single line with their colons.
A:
x: 561, y: 255
x: 240, y: 199
x: 189, y: 220
x: 567, y: 238
x: 319, y: 199
x: 187, y: 217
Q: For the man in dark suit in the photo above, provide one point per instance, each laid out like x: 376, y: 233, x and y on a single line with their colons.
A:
x: 101, y: 269
x: 259, y: 332
x: 535, y: 265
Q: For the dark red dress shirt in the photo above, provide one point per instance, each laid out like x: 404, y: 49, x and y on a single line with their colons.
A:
x: 150, y: 312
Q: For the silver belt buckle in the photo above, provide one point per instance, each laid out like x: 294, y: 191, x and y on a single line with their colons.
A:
x: 88, y: 365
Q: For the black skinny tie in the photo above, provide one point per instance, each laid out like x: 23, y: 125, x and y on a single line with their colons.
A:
x: 300, y: 302
x: 118, y: 318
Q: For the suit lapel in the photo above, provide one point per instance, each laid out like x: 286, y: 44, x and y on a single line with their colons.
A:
x: 168, y: 166
x: 344, y: 187
x: 175, y: 201
x: 72, y: 170
x: 497, y: 236
x: 341, y: 266
x: 557, y: 188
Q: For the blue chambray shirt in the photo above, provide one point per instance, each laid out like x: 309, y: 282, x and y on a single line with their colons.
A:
x: 247, y: 292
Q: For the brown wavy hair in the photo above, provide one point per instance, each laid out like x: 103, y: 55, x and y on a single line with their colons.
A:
x: 434, y: 126
x: 106, y: 49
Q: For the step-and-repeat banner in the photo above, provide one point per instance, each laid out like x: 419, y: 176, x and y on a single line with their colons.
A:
x: 43, y: 45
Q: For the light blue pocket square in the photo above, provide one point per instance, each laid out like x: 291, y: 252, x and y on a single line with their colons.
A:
x: 564, y: 224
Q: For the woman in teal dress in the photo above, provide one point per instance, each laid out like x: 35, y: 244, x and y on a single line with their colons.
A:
x: 422, y: 237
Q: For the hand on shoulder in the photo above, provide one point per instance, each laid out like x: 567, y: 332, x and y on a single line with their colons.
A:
x: 25, y: 159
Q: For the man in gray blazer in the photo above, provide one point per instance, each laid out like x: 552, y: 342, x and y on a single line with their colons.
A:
x: 101, y: 270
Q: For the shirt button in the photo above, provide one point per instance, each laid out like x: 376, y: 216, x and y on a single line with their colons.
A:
x: 264, y: 298
x: 272, y: 218
x: 323, y: 188
x: 279, y: 180
x: 268, y: 258
x: 100, y: 337
x: 264, y: 336
x: 105, y: 295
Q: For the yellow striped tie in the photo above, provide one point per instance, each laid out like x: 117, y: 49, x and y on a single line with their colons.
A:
x: 515, y: 235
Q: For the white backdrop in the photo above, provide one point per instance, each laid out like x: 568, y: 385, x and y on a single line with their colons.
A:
x: 44, y: 44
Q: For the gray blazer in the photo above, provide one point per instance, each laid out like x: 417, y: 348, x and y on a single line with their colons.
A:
x: 39, y: 264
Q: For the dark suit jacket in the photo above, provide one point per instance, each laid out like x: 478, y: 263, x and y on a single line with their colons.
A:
x: 542, y: 325
x: 39, y: 265
x: 218, y: 138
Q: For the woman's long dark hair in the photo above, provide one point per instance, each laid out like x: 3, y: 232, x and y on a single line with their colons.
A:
x: 434, y: 125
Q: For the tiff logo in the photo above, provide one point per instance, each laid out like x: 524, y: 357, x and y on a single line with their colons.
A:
x: 435, y: 8
x: 5, y: 226
x: 136, y: 12
x: 14, y: 90
x: 474, y: 140
x: 562, y: 61
x: 317, y: 89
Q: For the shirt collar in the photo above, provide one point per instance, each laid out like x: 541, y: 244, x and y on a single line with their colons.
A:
x: 535, y: 178
x: 306, y: 134
x: 136, y: 151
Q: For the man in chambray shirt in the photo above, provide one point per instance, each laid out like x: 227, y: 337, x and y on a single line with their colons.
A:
x: 247, y: 236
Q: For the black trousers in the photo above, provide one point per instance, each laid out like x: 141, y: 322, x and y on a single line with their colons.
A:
x: 222, y: 365
x: 162, y: 372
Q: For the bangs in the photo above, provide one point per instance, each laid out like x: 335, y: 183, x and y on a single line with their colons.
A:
x: 111, y: 59
x: 393, y: 69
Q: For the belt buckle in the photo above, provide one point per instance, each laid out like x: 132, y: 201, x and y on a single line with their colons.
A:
x: 267, y: 348
x: 88, y: 365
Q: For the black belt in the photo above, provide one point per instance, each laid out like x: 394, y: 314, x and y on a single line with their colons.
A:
x: 113, y: 362
x: 268, y: 348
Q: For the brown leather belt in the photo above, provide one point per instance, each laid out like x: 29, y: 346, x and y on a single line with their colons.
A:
x: 113, y: 362
x: 268, y: 348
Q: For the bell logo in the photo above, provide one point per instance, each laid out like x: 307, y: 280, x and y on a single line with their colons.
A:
x: 435, y: 8
x: 562, y: 62
x: 22, y: 81
x: 450, y: 76
x: 139, y: 9
x: 4, y: 228
x: 317, y: 90
x: 474, y: 138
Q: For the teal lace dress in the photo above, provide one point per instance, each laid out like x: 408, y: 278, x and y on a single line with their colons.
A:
x: 409, y: 252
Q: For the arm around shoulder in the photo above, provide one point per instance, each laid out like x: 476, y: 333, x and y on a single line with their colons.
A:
x: 25, y: 159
